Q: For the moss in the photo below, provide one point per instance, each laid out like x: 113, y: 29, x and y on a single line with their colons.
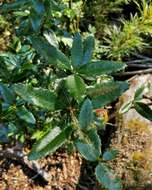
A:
x: 137, y: 125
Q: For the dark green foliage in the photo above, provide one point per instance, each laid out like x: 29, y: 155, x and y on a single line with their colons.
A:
x: 90, y: 145
x: 144, y: 110
x: 86, y: 114
x: 54, y: 89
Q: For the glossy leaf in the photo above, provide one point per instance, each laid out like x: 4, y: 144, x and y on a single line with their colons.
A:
x: 103, y: 94
x: 88, y: 49
x: 25, y: 115
x: 50, y: 143
x: 37, y: 96
x: 7, y: 94
x: 90, y: 146
x: 50, y: 53
x: 77, y: 51
x: 86, y: 114
x: 101, y: 68
x: 110, y: 155
x: 144, y: 110
x: 107, y: 178
x: 76, y: 87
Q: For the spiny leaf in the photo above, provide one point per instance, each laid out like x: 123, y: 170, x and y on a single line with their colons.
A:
x: 37, y: 96
x: 86, y: 114
x: 50, y: 53
x: 76, y: 87
x: 90, y: 145
x: 88, y: 49
x: 101, y: 68
x: 50, y: 142
x: 107, y: 178
x: 77, y: 51
x: 107, y: 92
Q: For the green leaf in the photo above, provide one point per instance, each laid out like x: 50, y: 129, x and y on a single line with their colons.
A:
x: 110, y: 155
x: 86, y: 114
x: 103, y: 94
x: 35, y: 20
x: 88, y: 49
x: 140, y: 92
x: 18, y: 4
x: 76, y: 87
x: 53, y: 55
x: 144, y: 110
x: 77, y: 51
x: 7, y: 94
x: 101, y: 68
x: 107, y: 178
x: 90, y: 145
x: 50, y: 142
x: 25, y: 115
x: 37, y: 96
x: 38, y: 6
x: 125, y: 107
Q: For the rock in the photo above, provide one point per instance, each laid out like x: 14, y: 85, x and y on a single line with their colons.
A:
x: 133, y: 140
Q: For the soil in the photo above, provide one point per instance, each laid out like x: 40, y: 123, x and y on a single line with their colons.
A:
x: 65, y: 173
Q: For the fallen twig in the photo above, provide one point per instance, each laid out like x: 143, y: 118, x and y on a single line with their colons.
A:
x: 145, y: 71
x: 131, y: 64
x: 23, y: 159
x: 139, y: 61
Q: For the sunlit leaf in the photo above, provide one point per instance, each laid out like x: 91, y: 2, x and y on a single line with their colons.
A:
x: 25, y: 115
x: 76, y: 87
x: 50, y: 143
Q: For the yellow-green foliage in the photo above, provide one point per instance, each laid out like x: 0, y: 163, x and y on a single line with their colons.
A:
x: 126, y: 39
x: 5, y: 33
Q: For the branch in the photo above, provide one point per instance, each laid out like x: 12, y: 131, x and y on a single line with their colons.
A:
x: 139, y: 61
x: 23, y: 159
x: 134, y: 72
x: 131, y: 64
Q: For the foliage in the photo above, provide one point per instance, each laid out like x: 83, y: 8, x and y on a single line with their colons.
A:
x: 50, y: 92
x: 122, y: 36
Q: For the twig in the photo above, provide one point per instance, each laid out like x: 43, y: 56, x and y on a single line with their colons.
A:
x: 139, y: 61
x: 131, y: 64
x: 142, y: 56
x: 134, y: 72
x: 19, y: 156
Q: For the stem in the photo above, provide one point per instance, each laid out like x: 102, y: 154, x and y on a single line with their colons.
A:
x: 10, y: 153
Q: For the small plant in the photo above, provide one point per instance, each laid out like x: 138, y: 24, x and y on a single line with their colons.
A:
x: 122, y: 37
x: 54, y: 97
